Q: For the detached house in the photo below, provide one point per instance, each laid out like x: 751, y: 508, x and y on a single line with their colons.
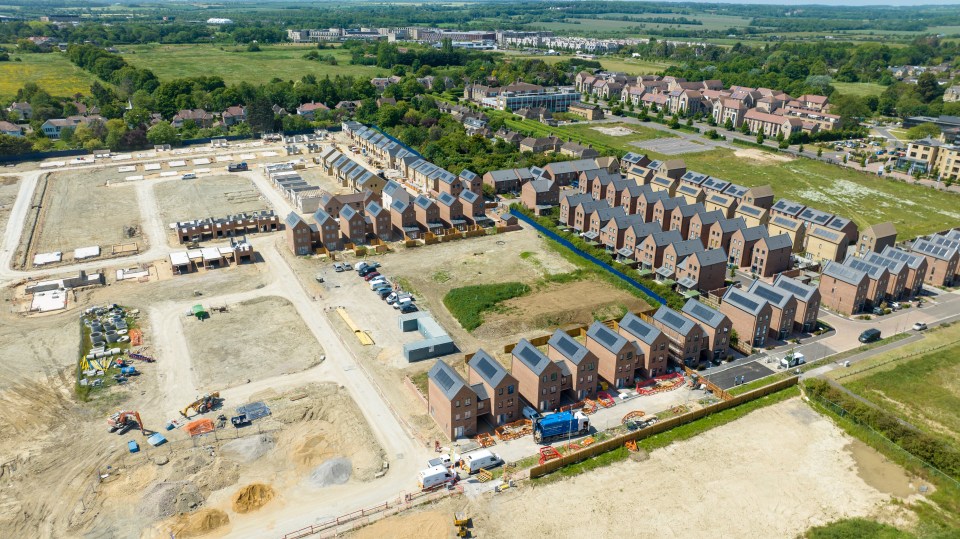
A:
x: 618, y: 358
x: 579, y: 361
x: 200, y: 117
x: 499, y: 387
x: 541, y: 380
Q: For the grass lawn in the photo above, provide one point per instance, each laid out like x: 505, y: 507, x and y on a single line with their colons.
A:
x: 864, y: 198
x: 51, y: 71
x: 861, y: 89
x: 924, y: 388
x: 467, y: 304
x: 281, y: 61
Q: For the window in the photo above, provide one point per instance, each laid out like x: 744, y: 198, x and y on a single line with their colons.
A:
x: 629, y: 355
x: 500, y: 391
x: 456, y: 417
x: 543, y: 391
x: 457, y: 404
x: 553, y: 377
x: 510, y: 390
x: 553, y: 389
x: 590, y: 378
x: 466, y: 402
x: 466, y: 415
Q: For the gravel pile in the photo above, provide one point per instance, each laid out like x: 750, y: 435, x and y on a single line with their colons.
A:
x: 247, y: 449
x: 332, y: 472
x: 169, y: 498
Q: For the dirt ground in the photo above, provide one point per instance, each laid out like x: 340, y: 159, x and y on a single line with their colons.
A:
x: 774, y: 473
x: 82, y: 209
x: 556, y: 305
x: 239, y: 345
x: 618, y: 131
x: 214, y: 196
x: 8, y: 193
x: 762, y: 156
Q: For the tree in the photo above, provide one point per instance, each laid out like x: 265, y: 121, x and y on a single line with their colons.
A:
x: 928, y: 88
x: 728, y: 125
x: 137, y: 117
x: 800, y: 149
x: 488, y: 191
x: 745, y: 128
x: 162, y: 133
x: 760, y: 136
x: 11, y: 145
x: 850, y: 108
x: 260, y: 115
x: 844, y: 159
x: 819, y: 152
x: 924, y: 130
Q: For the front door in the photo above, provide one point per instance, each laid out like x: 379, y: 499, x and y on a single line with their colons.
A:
x: 458, y: 432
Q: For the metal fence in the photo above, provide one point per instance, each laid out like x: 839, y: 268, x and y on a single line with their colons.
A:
x: 892, y: 449
x: 587, y: 256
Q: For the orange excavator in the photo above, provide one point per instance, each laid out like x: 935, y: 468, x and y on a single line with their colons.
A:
x: 124, y: 420
x: 203, y: 404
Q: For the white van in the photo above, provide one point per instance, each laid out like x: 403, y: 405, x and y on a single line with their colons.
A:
x: 434, y: 476
x: 794, y: 359
x: 484, y: 458
x: 189, y: 176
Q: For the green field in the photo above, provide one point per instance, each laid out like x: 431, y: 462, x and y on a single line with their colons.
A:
x: 924, y: 389
x: 861, y: 89
x: 51, y: 71
x: 864, y: 198
x: 281, y: 61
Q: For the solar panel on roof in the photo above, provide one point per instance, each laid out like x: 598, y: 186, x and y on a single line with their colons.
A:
x: 673, y: 319
x: 531, y: 356
x: 638, y: 328
x: 486, y: 368
x: 744, y: 301
x: 768, y: 294
x: 606, y: 336
x: 567, y: 345
x: 444, y: 379
x: 793, y: 288
x: 702, y: 312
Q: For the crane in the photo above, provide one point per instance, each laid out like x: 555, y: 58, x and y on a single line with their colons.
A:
x: 202, y: 404
x: 122, y: 421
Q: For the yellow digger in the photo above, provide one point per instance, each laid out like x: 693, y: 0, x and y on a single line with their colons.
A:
x: 203, y: 404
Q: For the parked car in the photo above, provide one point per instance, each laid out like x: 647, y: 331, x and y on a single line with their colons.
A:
x: 189, y: 176
x: 877, y: 311
x: 378, y: 282
x: 401, y: 302
x: 409, y: 308
x: 920, y: 326
x: 371, y: 276
x: 870, y: 335
x: 384, y: 292
x: 896, y: 305
x: 347, y: 266
x: 338, y: 267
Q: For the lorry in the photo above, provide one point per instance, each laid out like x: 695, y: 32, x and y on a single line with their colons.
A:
x: 237, y: 167
x: 475, y: 461
x: 559, y: 425
x: 435, y: 476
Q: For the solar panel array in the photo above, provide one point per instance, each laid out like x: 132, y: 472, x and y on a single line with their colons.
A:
x: 673, y: 319
x: 792, y: 287
x: 637, y: 327
x: 486, y: 368
x: 606, y: 336
x: 702, y: 312
x: 444, y: 379
x: 530, y: 355
x: 863, y: 266
x: 567, y: 345
x: 769, y: 294
x: 745, y: 302
x: 828, y: 234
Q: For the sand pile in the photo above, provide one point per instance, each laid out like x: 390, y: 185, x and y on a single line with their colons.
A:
x: 311, y: 450
x: 425, y: 525
x: 168, y: 498
x: 252, y: 497
x: 248, y: 449
x: 200, y: 523
x: 332, y: 472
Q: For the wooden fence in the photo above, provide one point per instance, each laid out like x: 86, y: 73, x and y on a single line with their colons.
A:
x: 657, y: 428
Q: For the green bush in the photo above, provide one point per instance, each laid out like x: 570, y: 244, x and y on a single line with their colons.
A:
x: 467, y: 304
x: 856, y: 528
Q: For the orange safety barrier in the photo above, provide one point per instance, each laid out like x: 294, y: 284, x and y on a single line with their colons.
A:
x: 605, y: 399
x: 632, y: 415
x: 199, y: 426
x: 485, y: 440
x: 588, y: 441
x: 548, y: 453
x: 512, y: 431
x: 631, y: 446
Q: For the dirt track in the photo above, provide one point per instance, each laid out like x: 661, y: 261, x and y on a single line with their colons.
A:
x: 774, y: 473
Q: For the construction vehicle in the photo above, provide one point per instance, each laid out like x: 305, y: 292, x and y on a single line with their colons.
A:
x: 237, y: 167
x: 203, y: 404
x: 124, y: 420
x: 559, y: 425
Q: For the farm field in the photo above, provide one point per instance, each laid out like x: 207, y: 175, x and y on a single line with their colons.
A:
x: 864, y: 198
x: 284, y: 62
x: 924, y: 388
x: 51, y: 71
x: 861, y: 89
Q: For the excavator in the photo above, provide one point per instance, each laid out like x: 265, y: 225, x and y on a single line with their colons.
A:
x: 124, y: 420
x: 202, y: 404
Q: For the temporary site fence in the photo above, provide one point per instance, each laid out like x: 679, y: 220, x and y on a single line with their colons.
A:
x: 587, y: 256
x: 661, y: 426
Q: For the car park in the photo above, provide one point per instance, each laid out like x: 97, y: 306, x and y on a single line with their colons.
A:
x: 870, y: 335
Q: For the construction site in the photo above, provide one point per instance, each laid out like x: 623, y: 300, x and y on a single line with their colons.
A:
x: 276, y: 399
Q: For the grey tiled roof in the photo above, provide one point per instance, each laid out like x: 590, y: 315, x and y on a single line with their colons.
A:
x: 673, y: 320
x: 874, y: 271
x: 775, y: 296
x: 712, y: 257
x: 568, y: 346
x: 780, y: 241
x: 293, y: 219
x: 638, y: 328
x: 910, y: 259
x: 707, y: 316
x: 844, y: 273
x: 488, y: 368
x: 744, y: 301
x: 606, y: 337
x: 447, y: 379
x: 801, y: 291
x: 529, y: 355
